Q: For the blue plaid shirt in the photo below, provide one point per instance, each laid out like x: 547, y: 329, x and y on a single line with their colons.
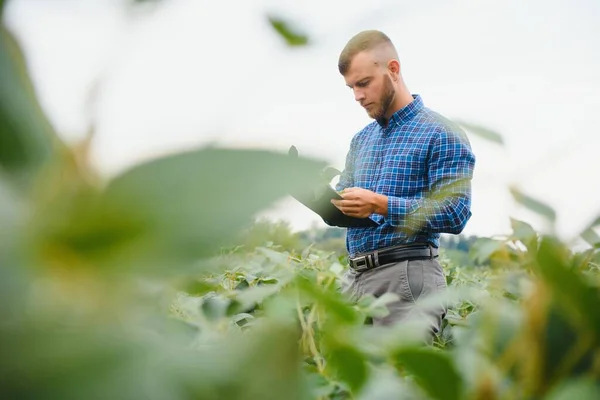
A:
x: 424, y: 164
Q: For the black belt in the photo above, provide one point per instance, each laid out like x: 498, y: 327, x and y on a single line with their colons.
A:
x: 419, y: 251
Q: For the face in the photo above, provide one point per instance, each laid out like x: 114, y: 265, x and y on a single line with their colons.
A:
x: 371, y: 84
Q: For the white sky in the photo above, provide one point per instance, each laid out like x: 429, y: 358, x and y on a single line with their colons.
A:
x: 193, y: 72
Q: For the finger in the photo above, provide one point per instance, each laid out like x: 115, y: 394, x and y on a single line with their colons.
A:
x: 342, y: 203
x: 350, y: 189
x: 356, y: 214
x: 353, y: 211
x: 350, y: 205
x: 353, y: 194
x: 350, y: 194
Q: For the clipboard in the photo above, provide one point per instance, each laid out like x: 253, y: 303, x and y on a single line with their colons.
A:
x: 318, y: 199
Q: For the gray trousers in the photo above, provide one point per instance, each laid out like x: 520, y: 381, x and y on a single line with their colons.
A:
x: 410, y: 280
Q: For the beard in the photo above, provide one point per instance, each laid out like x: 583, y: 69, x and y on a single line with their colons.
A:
x: 384, y: 103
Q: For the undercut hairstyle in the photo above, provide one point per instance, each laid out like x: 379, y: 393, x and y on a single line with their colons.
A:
x: 362, y: 41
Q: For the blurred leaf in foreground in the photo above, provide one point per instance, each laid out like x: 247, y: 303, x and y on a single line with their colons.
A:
x: 173, y: 210
x: 434, y: 371
x: 27, y: 141
x: 577, y: 298
x: 483, y: 248
x: 12, y: 278
x: 589, y: 234
x: 524, y: 233
x: 522, y: 230
x: 482, y: 132
x: 51, y: 361
x: 347, y: 363
x: 580, y: 389
x: 534, y: 205
x: 290, y: 34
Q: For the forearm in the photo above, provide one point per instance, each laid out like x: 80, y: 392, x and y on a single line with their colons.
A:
x: 446, y: 205
x: 448, y: 215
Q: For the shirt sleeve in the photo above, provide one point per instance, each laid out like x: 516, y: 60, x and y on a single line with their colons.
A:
x: 446, y: 207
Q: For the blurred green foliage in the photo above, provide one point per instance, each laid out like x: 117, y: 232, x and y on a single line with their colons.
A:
x: 287, y: 31
x: 156, y: 285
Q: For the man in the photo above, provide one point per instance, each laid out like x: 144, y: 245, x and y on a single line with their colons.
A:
x: 410, y: 170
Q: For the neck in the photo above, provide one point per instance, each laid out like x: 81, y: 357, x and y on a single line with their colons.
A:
x: 401, y: 100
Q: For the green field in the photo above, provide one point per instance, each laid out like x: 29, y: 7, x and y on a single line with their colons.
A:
x: 156, y: 284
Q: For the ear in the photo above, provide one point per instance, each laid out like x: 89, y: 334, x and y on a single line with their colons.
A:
x: 394, y: 68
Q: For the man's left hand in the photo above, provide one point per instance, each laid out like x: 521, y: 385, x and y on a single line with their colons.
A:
x: 360, y: 203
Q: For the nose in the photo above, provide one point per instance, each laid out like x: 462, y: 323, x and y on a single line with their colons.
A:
x: 359, y: 95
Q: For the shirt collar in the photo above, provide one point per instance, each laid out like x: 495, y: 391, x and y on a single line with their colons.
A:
x: 405, y: 113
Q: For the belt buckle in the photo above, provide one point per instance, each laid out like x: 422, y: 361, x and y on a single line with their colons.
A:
x: 362, y: 263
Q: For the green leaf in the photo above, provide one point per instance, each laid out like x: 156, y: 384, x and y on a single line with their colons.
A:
x: 534, y: 205
x: 349, y: 364
x: 495, y: 329
x: 253, y: 296
x: 333, y: 301
x: 320, y: 387
x: 578, y: 300
x: 580, y: 389
x: 195, y: 287
x: 242, y: 317
x: 483, y: 248
x: 306, y: 252
x: 385, y: 383
x: 434, y: 371
x: 377, y: 307
x: 290, y: 34
x: 589, y: 235
x: 215, y: 307
x: 275, y: 256
x: 561, y: 337
x: 175, y: 210
x: 27, y: 141
x: 482, y: 132
x: 522, y: 230
x: 524, y: 233
x: 264, y: 363
x: 91, y: 360
x: 13, y: 273
x: 65, y: 363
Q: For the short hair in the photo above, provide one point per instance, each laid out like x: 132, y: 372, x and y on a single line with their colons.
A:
x: 365, y: 40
